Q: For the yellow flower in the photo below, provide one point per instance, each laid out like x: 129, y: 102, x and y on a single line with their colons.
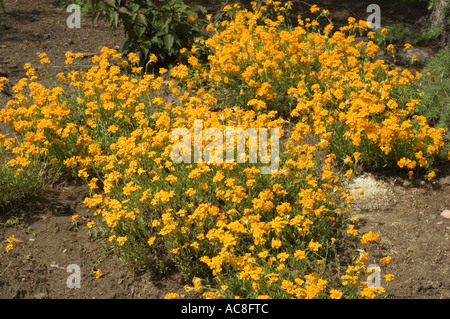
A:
x: 44, y: 58
x: 370, y: 237
x: 69, y: 57
x: 407, y: 46
x: 11, y: 239
x: 218, y: 177
x: 280, y: 267
x: 351, y: 230
x: 314, y: 8
x: 190, y: 192
x: 74, y: 218
x: 191, y: 19
x: 9, y: 247
x: 389, y: 277
x: 197, y: 283
x: 133, y: 58
x: 335, y: 294
x: 151, y: 241
x: 98, y: 273
x: 93, y: 183
x: 276, y: 243
x: 385, y: 260
x: 314, y: 246
x: 90, y: 224
x: 153, y: 58
x: 195, y: 245
x: 113, y: 129
x: 211, y: 295
x: 61, y: 77
x: 171, y: 295
x: 121, y: 240
x: 370, y: 292
x: 299, y: 254
x: 349, y: 173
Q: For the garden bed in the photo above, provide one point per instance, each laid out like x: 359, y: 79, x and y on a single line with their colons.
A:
x: 406, y: 214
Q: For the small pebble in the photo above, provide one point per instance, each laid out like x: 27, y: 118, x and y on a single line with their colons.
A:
x: 446, y: 213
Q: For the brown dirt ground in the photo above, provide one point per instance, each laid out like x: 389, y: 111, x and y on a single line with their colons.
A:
x: 407, y: 215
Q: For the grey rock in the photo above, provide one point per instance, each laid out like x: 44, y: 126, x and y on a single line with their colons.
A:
x: 445, y: 181
x: 109, y: 295
x: 446, y: 213
x: 413, y: 56
x: 41, y: 295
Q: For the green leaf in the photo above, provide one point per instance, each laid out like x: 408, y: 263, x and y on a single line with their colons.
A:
x: 110, y: 3
x: 165, y: 27
x: 141, y: 20
x: 124, y: 10
x: 168, y: 41
x: 156, y: 40
x: 115, y: 20
x: 160, y: 33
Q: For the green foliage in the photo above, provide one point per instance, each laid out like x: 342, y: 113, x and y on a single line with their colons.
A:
x: 154, y: 27
x: 435, y: 84
x: 399, y: 33
x: 15, y: 186
x: 85, y: 5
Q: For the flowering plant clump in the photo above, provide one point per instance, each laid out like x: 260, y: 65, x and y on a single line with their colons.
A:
x: 348, y: 99
x: 233, y: 230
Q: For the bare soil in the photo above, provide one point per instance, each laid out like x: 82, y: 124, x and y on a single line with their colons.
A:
x: 406, y: 214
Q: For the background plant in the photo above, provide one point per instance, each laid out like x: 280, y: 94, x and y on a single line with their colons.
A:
x: 17, y: 183
x: 86, y: 6
x: 435, y: 84
x: 157, y: 27
x: 327, y: 80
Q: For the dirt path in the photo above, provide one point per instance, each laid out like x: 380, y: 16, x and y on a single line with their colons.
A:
x: 412, y: 232
x: 406, y: 216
